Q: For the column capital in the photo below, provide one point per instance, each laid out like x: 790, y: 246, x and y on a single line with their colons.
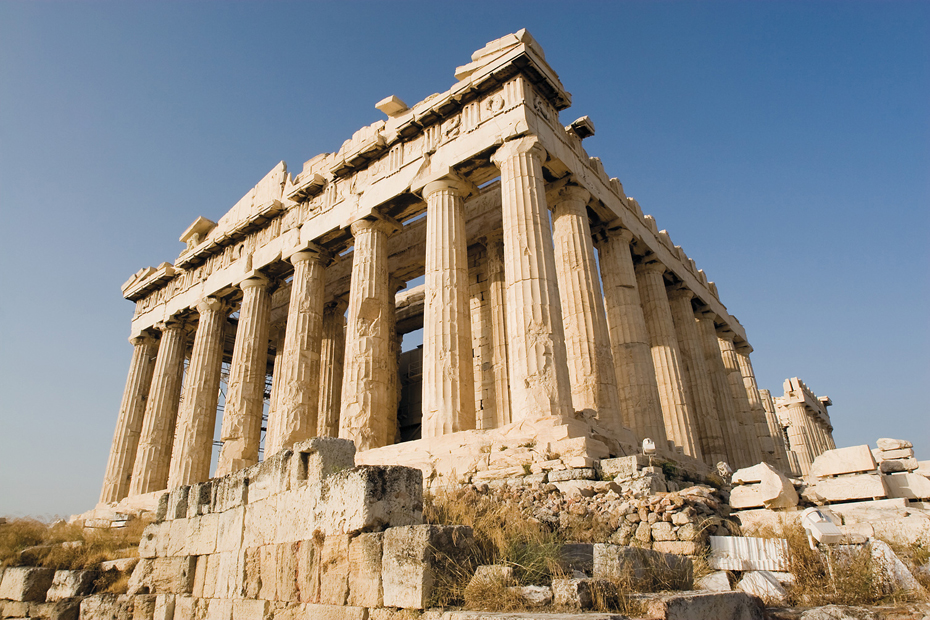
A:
x: 527, y: 144
x: 623, y: 235
x: 376, y: 223
x: 312, y: 252
x: 213, y: 304
x: 143, y: 339
x: 567, y: 192
x: 679, y: 291
x: 650, y: 265
x: 255, y: 280
x: 706, y: 314
x: 451, y: 181
x: 743, y: 347
x: 724, y: 333
x: 172, y: 323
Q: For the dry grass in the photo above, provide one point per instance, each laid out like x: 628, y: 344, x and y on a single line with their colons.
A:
x: 29, y: 542
x: 837, y: 576
x: 506, y: 536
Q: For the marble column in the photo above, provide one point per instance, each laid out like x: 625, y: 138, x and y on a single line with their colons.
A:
x: 497, y: 293
x: 367, y: 368
x: 734, y: 444
x: 757, y: 411
x: 153, y: 458
x: 276, y: 335
x: 631, y: 352
x: 296, y: 381
x: 775, y: 430
x: 393, y: 359
x: 129, y: 422
x: 448, y: 369
x: 696, y: 375
x: 193, y: 442
x: 242, y: 415
x: 539, y: 383
x: 798, y: 438
x: 747, y: 427
x: 587, y: 341
x: 332, y: 352
x: 680, y: 424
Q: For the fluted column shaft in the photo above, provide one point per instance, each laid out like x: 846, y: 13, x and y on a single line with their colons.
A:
x: 332, y: 352
x: 775, y: 430
x: 498, y: 328
x: 129, y: 422
x: 294, y: 418
x: 747, y: 426
x: 632, y: 355
x: 798, y: 438
x: 193, y: 442
x: 734, y: 444
x: 587, y: 341
x: 539, y: 383
x: 680, y: 425
x: 448, y: 369
x: 242, y: 415
x: 757, y: 411
x: 367, y: 368
x: 696, y: 375
x: 153, y: 458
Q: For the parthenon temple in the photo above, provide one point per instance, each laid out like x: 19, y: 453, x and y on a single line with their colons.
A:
x: 550, y: 306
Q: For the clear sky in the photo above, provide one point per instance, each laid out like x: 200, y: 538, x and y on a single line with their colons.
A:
x: 785, y: 146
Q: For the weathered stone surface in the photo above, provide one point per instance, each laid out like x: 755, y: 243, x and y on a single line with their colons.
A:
x: 850, y: 460
x: 577, y: 557
x: 70, y: 583
x: 122, y: 565
x: 107, y: 607
x: 715, y: 582
x: 412, y: 554
x: 896, y: 465
x: 771, y: 488
x: 764, y: 585
x: 894, y: 574
x: 171, y: 575
x: 748, y: 553
x: 334, y: 570
x: 861, y: 486
x: 678, y: 547
x: 837, y: 612
x: 533, y: 595
x: 26, y: 583
x: 615, y: 562
x: 893, y: 444
x: 60, y: 610
x: 705, y: 606
x: 910, y: 486
x: 902, y: 453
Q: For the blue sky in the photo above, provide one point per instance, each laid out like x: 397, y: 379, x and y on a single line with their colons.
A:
x: 785, y: 146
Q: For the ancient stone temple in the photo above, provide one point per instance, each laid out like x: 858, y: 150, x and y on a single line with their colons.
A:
x: 556, y: 317
x: 803, y: 415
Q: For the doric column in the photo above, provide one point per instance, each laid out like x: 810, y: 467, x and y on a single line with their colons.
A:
x: 632, y: 356
x: 296, y: 378
x: 498, y: 328
x: 757, y: 411
x: 539, y: 384
x: 193, y: 442
x: 276, y: 335
x: 775, y: 430
x: 448, y: 369
x: 734, y: 444
x: 393, y: 360
x: 798, y: 438
x: 332, y: 352
x: 666, y: 357
x: 587, y: 341
x: 242, y: 415
x: 129, y: 422
x: 367, y: 368
x: 697, y: 376
x: 153, y: 458
x: 747, y: 427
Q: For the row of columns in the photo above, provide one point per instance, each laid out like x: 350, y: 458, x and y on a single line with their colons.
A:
x: 635, y: 353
